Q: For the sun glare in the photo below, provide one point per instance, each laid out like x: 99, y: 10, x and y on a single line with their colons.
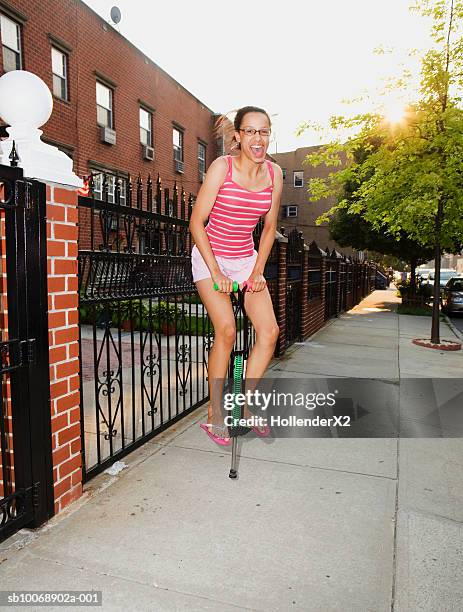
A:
x: 394, y: 111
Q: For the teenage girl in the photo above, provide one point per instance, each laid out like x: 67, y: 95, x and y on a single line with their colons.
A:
x: 236, y: 192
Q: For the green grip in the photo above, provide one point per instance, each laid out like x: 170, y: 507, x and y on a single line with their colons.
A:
x: 235, y: 286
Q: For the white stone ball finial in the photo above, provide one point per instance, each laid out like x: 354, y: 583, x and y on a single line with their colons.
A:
x: 24, y: 98
x: 26, y: 103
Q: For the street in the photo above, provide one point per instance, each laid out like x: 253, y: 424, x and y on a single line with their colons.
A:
x: 457, y: 320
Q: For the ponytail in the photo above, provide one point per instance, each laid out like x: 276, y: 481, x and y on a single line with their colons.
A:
x: 224, y: 128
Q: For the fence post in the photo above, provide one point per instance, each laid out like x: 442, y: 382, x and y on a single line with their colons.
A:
x: 323, y: 283
x: 349, y: 283
x: 338, y: 282
x: 47, y: 164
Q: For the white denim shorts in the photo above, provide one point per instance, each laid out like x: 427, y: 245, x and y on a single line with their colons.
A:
x: 238, y: 269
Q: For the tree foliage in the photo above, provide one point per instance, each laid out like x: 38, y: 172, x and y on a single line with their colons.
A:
x: 408, y: 176
x: 353, y: 230
x: 408, y: 168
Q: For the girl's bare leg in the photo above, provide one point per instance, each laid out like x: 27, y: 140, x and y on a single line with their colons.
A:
x: 259, y: 309
x: 220, y: 311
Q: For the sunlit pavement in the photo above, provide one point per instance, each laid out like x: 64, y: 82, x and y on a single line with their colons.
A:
x: 349, y: 525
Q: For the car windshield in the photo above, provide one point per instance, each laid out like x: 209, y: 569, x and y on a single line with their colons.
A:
x: 456, y: 284
x: 447, y: 275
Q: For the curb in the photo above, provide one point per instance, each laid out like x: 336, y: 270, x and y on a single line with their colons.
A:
x: 456, y: 331
x: 444, y: 345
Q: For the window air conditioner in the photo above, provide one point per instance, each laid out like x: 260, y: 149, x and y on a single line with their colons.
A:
x: 178, y: 166
x: 148, y: 153
x: 107, y: 135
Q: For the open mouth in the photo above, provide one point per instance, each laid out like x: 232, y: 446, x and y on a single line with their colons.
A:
x: 257, y: 150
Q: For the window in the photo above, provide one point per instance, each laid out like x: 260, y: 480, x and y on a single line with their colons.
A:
x: 290, y: 211
x: 104, y: 105
x: 11, y: 44
x: 298, y: 179
x: 201, y: 159
x: 178, y: 144
x: 111, y: 182
x: 146, y: 127
x: 284, y: 173
x: 59, y: 66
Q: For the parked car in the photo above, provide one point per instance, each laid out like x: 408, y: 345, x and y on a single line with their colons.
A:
x: 445, y: 275
x: 401, y: 277
x: 452, y: 297
x: 422, y: 274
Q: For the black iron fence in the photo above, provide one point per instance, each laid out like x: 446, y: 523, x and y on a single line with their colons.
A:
x: 295, y: 259
x: 144, y: 335
x: 331, y: 272
x: 315, y: 284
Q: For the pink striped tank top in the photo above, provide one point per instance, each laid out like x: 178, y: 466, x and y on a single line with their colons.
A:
x: 235, y: 214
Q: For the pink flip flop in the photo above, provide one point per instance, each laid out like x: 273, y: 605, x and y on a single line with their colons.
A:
x: 263, y: 432
x: 217, y: 439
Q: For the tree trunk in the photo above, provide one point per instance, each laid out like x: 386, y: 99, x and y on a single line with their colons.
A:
x: 413, y: 262
x: 435, y: 332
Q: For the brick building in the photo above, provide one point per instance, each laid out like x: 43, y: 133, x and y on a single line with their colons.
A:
x: 296, y: 208
x: 115, y: 110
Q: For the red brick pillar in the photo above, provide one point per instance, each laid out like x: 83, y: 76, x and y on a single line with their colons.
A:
x: 63, y: 328
x: 281, y: 293
x: 305, y: 316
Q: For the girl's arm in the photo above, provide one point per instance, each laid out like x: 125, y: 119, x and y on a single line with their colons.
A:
x: 268, y: 232
x: 204, y: 202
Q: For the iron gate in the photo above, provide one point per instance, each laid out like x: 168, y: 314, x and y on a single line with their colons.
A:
x: 144, y: 334
x: 26, y: 484
x: 330, y: 284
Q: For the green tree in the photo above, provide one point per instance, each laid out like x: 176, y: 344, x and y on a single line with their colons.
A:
x: 353, y: 230
x: 410, y: 180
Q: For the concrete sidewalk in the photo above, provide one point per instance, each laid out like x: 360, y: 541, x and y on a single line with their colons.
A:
x: 351, y: 525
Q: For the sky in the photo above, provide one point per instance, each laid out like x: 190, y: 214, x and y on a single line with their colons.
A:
x: 297, y: 59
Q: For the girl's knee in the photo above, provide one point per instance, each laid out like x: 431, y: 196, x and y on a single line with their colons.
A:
x: 269, y: 335
x: 274, y: 333
x: 226, y: 333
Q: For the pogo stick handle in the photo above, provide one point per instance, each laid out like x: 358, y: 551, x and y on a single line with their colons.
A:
x: 235, y: 286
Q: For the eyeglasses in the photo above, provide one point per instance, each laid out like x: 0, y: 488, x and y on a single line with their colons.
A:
x: 249, y: 131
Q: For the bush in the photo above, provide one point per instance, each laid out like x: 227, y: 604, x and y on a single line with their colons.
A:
x: 116, y: 312
x: 415, y: 310
x: 421, y: 294
x: 164, y: 312
x: 93, y: 312
x: 191, y: 299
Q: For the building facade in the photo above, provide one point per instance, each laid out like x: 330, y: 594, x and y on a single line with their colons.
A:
x: 296, y: 208
x: 115, y: 110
